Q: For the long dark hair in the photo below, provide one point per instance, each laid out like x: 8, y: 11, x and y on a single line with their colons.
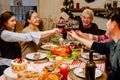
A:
x: 4, y: 17
x: 28, y: 16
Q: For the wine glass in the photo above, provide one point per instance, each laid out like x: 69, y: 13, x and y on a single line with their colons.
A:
x: 75, y: 25
x: 60, y: 25
x: 72, y: 25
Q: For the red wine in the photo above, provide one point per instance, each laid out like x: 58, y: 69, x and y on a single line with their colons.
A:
x: 90, y: 68
x: 75, y: 28
x: 60, y: 25
x: 69, y: 28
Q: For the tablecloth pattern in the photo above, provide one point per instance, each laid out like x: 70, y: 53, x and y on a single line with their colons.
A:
x: 75, y: 63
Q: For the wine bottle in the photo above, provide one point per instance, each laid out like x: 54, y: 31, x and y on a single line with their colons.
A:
x: 71, y: 4
x: 90, y: 68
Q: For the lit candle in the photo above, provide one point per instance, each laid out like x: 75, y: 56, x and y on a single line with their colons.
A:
x: 58, y: 60
x: 64, y: 71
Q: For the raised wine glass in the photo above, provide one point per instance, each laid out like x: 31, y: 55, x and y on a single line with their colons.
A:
x: 72, y: 25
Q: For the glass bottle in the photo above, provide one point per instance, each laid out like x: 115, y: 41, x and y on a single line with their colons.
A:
x: 90, y: 68
x: 71, y: 4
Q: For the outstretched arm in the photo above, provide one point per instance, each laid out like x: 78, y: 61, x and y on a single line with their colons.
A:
x: 87, y: 42
x: 97, y: 38
x: 49, y: 33
x: 31, y: 36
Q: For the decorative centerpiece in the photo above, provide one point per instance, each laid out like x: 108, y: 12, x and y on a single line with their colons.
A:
x: 18, y: 65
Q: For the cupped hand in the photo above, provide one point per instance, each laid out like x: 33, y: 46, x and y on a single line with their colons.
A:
x: 58, y: 30
x: 72, y: 34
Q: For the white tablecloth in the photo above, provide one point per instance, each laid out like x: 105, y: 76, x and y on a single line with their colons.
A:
x: 76, y: 63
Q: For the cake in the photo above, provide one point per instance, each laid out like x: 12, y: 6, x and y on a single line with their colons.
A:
x: 18, y: 65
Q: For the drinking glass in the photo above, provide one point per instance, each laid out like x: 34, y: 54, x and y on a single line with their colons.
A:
x: 72, y: 25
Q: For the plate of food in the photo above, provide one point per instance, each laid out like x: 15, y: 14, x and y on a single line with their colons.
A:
x: 81, y: 73
x: 8, y: 72
x: 48, y: 46
x: 96, y: 56
x: 35, y: 56
x: 68, y: 55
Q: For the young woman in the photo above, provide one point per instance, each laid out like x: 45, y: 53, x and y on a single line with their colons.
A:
x: 9, y: 46
x: 32, y: 22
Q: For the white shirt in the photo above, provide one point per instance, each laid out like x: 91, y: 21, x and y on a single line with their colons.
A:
x: 9, y: 36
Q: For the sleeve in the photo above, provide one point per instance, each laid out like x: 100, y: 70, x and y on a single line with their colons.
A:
x: 14, y: 37
x: 101, y: 47
x: 93, y: 37
x: 99, y: 38
x: 105, y: 38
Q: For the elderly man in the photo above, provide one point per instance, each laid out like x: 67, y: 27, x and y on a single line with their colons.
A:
x: 87, y: 25
x: 113, y: 47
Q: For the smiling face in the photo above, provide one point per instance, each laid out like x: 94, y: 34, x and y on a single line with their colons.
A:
x: 86, y: 20
x: 34, y: 19
x: 10, y: 24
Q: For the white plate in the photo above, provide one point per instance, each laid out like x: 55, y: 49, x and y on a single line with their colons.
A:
x: 78, y: 72
x: 9, y: 74
x: 31, y: 56
x: 96, y: 56
x: 48, y: 46
x: 13, y: 76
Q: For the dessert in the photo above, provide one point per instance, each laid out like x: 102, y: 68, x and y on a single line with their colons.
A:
x: 29, y: 75
x: 36, y: 56
x: 18, y: 65
x: 43, y: 75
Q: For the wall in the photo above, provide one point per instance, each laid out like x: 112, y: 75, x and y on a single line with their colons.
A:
x: 50, y: 9
x: 4, y: 5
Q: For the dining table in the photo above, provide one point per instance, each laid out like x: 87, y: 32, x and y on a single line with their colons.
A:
x: 40, y: 64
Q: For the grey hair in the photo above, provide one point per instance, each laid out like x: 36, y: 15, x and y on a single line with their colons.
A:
x: 88, y: 11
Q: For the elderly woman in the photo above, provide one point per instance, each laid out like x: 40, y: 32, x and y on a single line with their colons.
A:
x: 87, y: 25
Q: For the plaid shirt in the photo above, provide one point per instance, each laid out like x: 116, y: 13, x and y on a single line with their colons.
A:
x: 99, y: 38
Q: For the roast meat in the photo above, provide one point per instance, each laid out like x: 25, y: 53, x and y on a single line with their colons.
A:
x: 61, y: 51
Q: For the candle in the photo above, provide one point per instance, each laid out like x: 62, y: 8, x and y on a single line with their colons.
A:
x: 58, y: 60
x: 64, y: 71
x: 77, y: 5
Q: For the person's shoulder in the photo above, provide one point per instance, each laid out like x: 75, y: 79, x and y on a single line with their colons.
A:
x: 94, y: 25
x: 26, y: 29
x: 1, y: 30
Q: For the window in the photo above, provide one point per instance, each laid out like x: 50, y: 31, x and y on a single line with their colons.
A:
x: 21, y: 7
x: 20, y: 11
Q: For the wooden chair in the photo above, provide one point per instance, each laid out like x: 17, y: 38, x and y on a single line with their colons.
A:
x: 19, y: 26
